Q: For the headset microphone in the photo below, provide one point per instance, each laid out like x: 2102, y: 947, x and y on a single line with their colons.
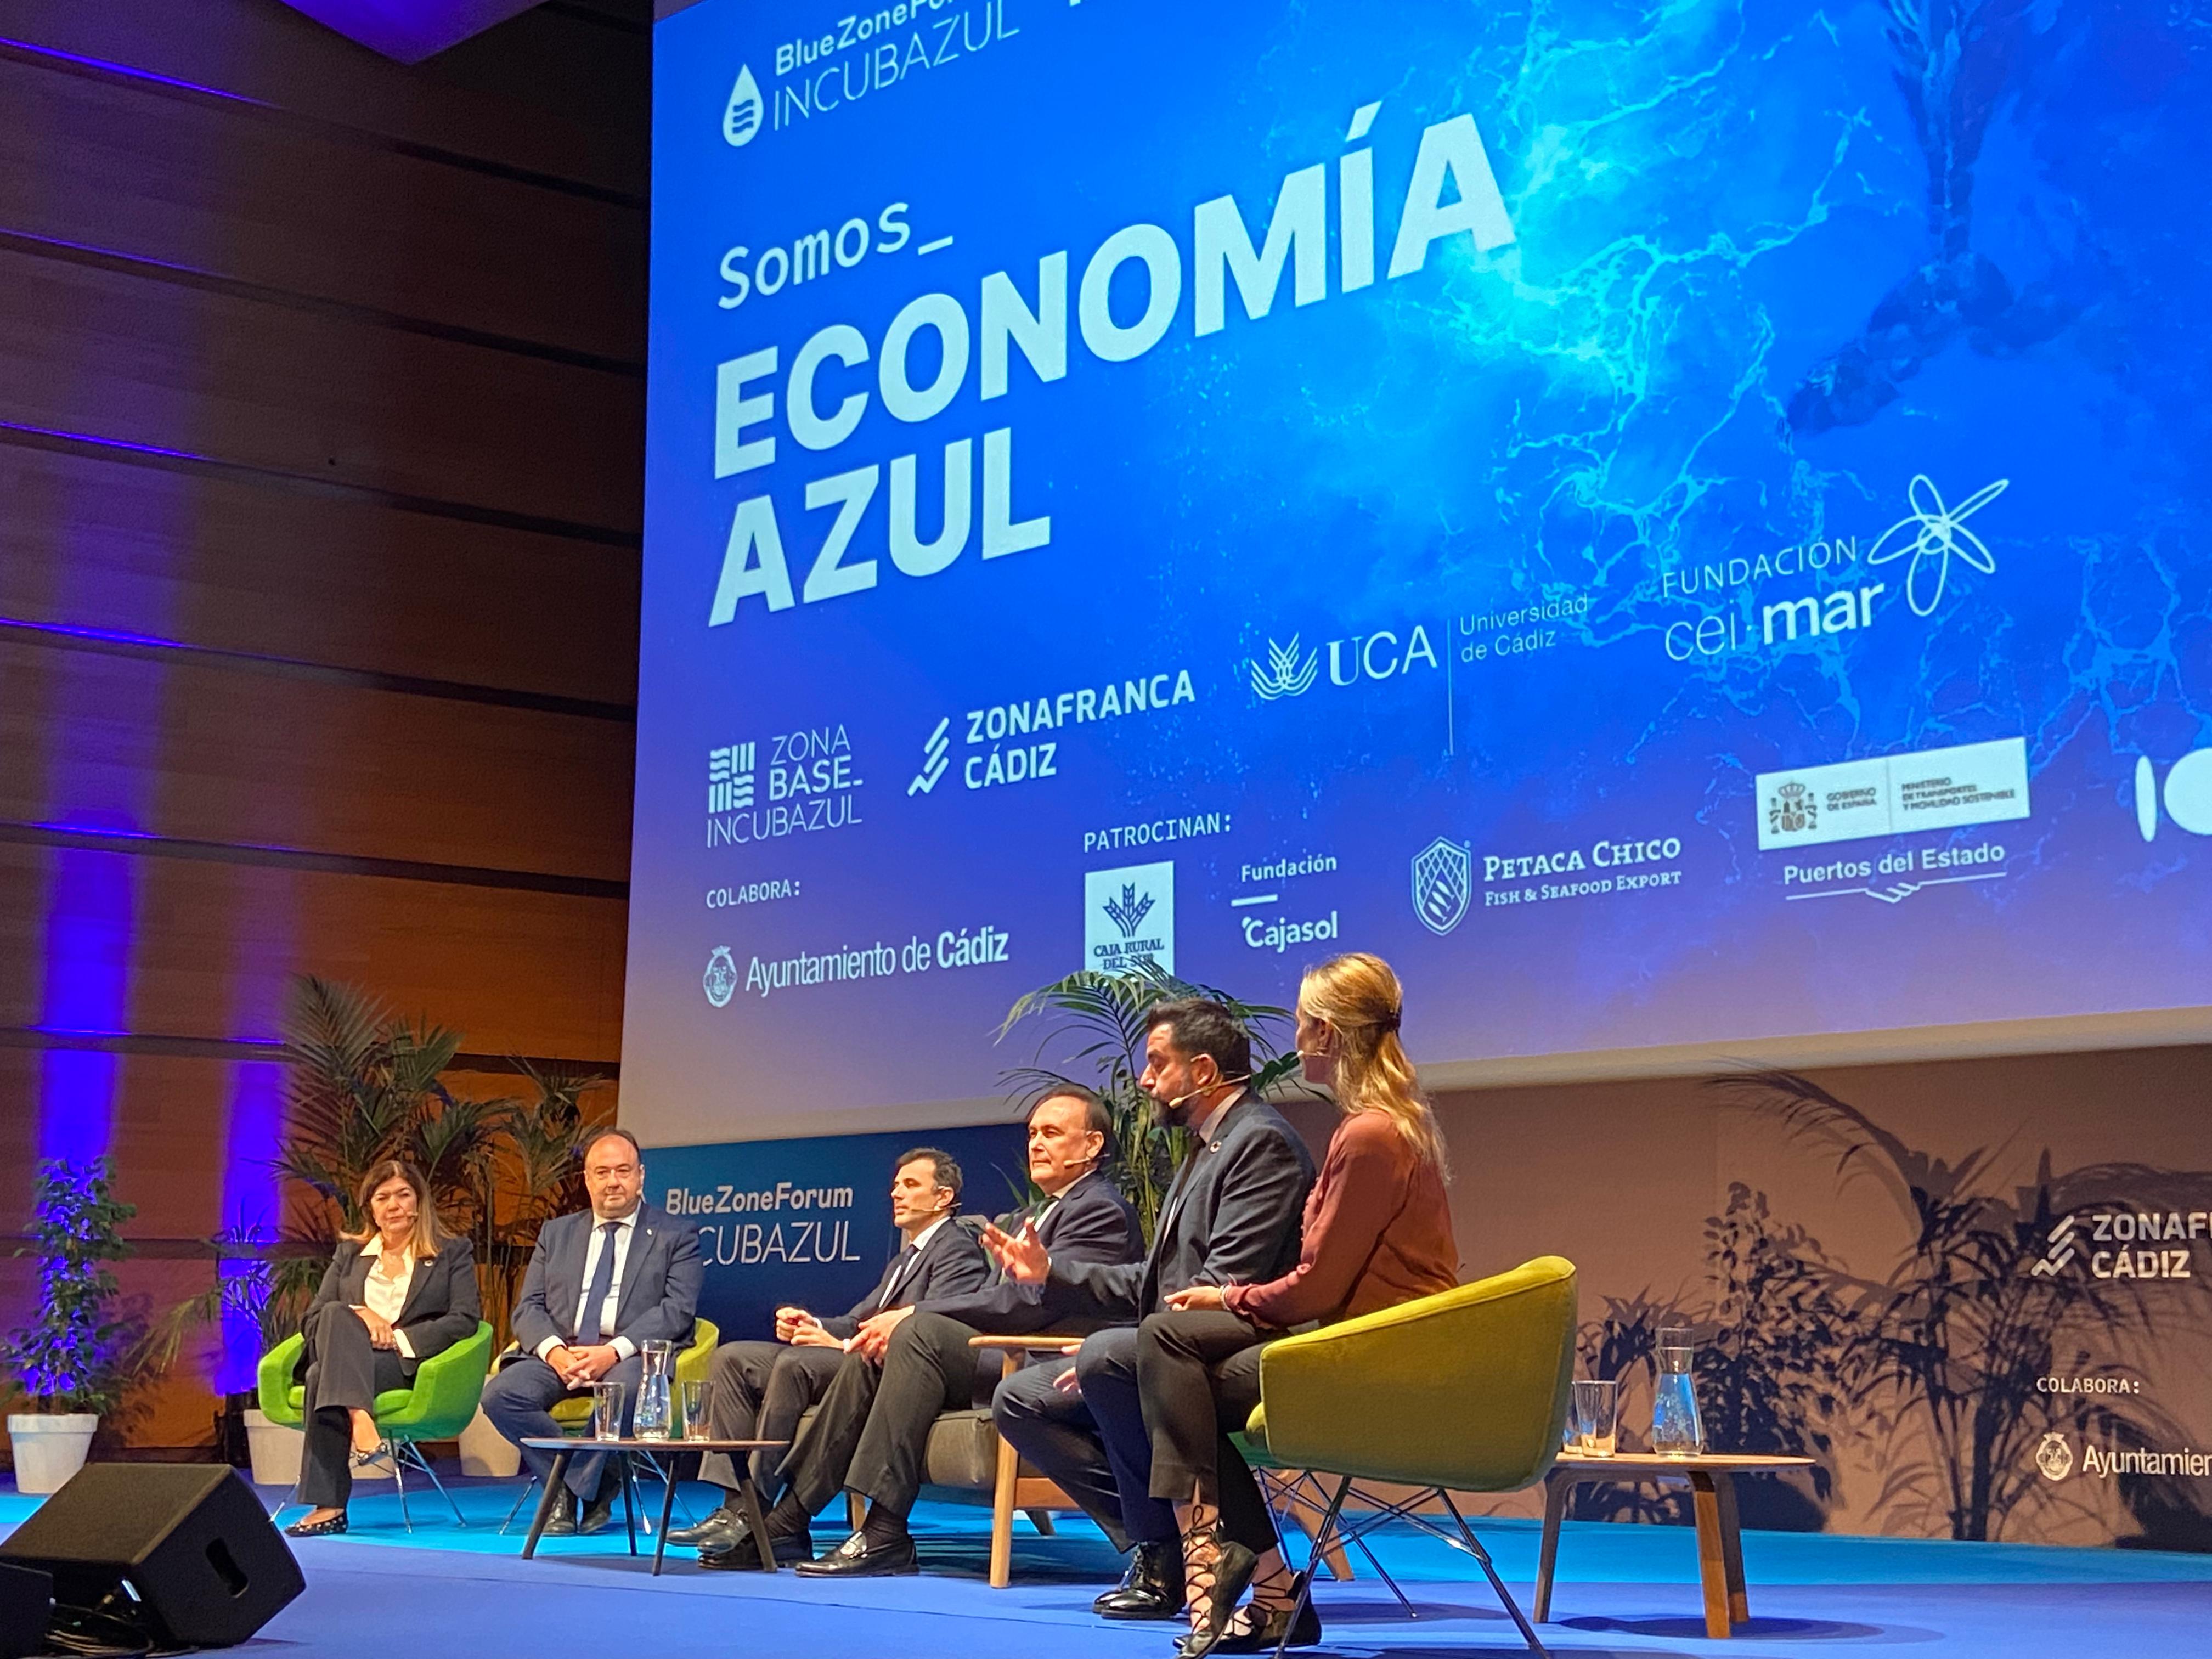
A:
x: 1218, y: 1083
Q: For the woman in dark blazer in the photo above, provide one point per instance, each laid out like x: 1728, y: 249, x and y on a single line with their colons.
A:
x: 402, y: 1290
x: 1377, y: 1232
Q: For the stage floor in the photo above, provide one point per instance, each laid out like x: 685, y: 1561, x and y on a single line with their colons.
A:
x: 1623, y: 1590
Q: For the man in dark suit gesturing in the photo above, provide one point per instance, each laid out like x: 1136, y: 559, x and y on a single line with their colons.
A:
x: 599, y: 1285
x: 1232, y: 1216
x: 759, y: 1390
x: 871, y: 1434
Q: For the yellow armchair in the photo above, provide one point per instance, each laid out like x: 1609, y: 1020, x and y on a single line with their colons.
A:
x: 1465, y: 1391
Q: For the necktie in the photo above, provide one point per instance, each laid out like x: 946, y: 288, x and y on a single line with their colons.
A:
x: 1172, y: 1210
x: 897, y: 1277
x: 603, y: 1283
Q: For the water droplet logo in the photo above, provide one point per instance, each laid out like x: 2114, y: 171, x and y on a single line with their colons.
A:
x: 741, y: 122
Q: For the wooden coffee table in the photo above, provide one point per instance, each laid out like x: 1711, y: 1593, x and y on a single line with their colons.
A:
x: 564, y: 1449
x: 1711, y: 1477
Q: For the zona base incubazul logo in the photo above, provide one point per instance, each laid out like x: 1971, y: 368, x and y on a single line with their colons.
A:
x: 1128, y: 914
x: 1443, y: 878
x: 720, y: 982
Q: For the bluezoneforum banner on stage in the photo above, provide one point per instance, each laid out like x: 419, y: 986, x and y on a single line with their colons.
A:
x: 1673, y: 526
x: 807, y: 1221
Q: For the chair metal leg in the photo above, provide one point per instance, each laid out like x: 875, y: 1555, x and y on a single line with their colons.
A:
x: 521, y: 1498
x: 413, y: 1454
x: 399, y: 1479
x: 1490, y: 1569
x: 1306, y: 1581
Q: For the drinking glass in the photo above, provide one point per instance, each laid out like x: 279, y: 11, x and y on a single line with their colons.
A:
x: 606, y: 1410
x: 1591, y: 1429
x: 695, y: 1413
x: 1676, y: 1431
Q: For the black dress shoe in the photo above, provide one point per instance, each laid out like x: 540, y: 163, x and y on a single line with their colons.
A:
x: 716, y: 1532
x: 1267, y: 1632
x: 856, y: 1558
x: 744, y: 1555
x: 328, y: 1528
x: 596, y: 1515
x: 1151, y: 1589
x: 561, y: 1523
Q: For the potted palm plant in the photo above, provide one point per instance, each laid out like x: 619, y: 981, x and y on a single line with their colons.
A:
x: 69, y: 1361
x: 1095, y: 1022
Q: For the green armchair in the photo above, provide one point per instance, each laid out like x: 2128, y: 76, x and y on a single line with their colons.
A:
x: 1465, y: 1391
x: 436, y: 1405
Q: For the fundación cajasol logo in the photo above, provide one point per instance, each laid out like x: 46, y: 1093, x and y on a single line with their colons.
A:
x: 720, y: 982
x: 1443, y: 878
x: 1129, y: 915
x: 741, y: 119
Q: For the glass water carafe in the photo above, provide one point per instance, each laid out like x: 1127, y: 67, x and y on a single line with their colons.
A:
x: 652, y: 1421
x: 1675, y: 1430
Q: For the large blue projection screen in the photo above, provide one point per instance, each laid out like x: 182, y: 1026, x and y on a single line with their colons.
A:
x: 1682, y: 527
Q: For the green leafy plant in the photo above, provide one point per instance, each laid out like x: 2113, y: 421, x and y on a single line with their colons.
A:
x: 364, y: 1086
x: 1948, y: 1346
x: 73, y: 1356
x: 1095, y: 1023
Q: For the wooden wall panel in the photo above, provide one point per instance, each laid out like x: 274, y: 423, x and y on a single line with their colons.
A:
x: 92, y: 543
x: 545, y: 92
x: 213, y: 189
x: 91, y: 351
x: 354, y: 773
x: 212, y: 944
x: 317, y: 566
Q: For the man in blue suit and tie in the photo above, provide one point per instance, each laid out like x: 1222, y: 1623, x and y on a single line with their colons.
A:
x: 599, y: 1285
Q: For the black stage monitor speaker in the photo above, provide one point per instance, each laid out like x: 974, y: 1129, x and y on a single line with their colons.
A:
x: 25, y: 1594
x: 197, y: 1561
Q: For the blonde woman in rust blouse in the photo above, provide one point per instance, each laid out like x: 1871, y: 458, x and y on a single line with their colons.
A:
x: 1377, y: 1232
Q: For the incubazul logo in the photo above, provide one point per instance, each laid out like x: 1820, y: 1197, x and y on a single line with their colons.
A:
x: 720, y: 980
x: 1283, y: 676
x: 741, y: 120
x: 1443, y: 877
x: 2055, y: 1457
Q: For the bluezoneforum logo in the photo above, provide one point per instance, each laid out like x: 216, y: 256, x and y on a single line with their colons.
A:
x: 741, y: 120
x: 1129, y: 915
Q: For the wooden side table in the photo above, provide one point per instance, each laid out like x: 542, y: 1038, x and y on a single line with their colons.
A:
x: 1711, y: 1477
x: 564, y: 1449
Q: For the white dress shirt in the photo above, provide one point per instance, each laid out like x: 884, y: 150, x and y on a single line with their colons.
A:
x: 625, y: 1229
x: 385, y: 1293
x: 917, y: 1243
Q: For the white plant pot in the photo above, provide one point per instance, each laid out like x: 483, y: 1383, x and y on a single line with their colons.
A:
x: 485, y: 1450
x: 274, y: 1450
x: 49, y: 1450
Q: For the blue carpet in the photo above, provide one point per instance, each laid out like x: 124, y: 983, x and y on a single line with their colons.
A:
x: 1623, y: 1590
